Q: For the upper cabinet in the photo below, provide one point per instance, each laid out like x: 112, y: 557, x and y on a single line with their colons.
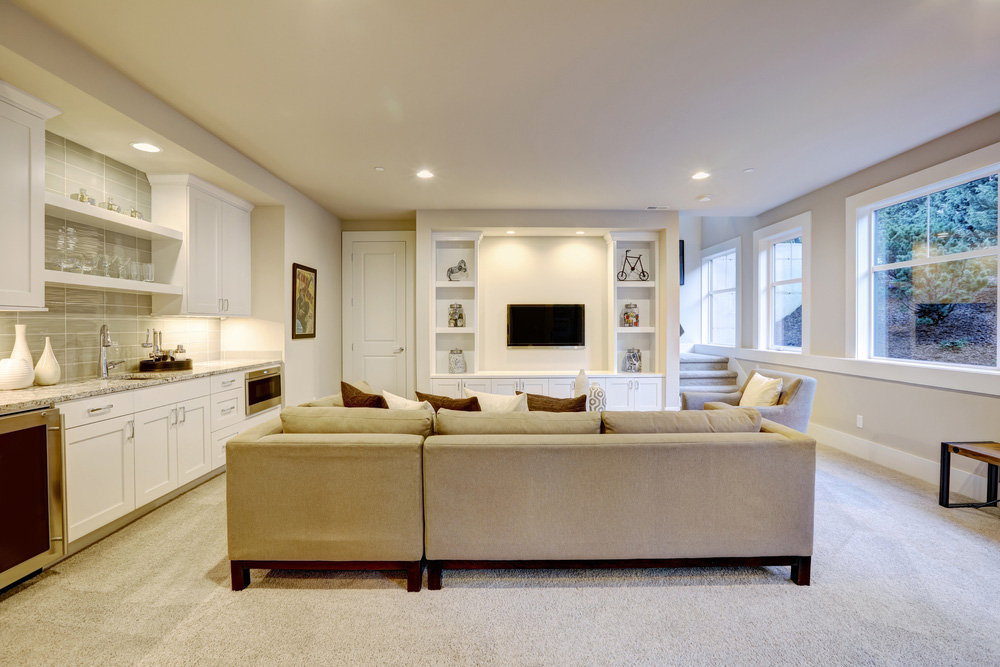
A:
x: 22, y: 191
x: 214, y: 263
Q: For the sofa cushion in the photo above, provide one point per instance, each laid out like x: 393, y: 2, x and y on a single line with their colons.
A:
x: 540, y: 403
x: 336, y: 400
x: 452, y: 422
x: 400, y: 403
x: 355, y: 398
x: 438, y: 402
x: 736, y: 420
x: 761, y: 390
x: 357, y: 420
x: 498, y: 402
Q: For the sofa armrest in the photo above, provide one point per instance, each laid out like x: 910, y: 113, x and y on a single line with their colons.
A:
x: 696, y: 400
x: 324, y: 497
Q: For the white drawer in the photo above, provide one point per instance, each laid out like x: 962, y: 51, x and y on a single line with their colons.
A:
x: 227, y: 381
x: 228, y: 408
x: 172, y: 392
x: 98, y: 408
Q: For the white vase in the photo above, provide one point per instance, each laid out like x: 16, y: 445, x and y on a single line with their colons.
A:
x: 16, y: 373
x: 21, y: 350
x: 47, y: 369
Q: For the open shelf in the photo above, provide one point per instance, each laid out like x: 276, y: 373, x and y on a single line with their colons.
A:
x: 73, y: 211
x: 112, y: 284
x: 635, y: 330
x: 455, y: 330
x: 456, y: 283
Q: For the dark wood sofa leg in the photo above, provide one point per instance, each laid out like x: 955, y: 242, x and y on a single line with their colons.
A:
x: 241, y: 575
x: 433, y: 575
x: 414, y: 576
x: 800, y: 570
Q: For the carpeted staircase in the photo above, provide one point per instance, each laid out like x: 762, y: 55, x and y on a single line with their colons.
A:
x: 704, y: 372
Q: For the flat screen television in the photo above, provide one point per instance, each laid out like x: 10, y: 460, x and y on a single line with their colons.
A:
x: 545, y: 325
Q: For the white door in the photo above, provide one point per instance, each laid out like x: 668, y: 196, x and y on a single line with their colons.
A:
x: 378, y: 315
x: 99, y: 474
x: 235, y: 260
x: 204, y: 241
x: 646, y: 394
x: 194, y: 440
x: 155, y: 453
x: 618, y: 393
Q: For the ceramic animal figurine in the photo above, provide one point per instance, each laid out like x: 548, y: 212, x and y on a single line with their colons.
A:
x: 459, y: 271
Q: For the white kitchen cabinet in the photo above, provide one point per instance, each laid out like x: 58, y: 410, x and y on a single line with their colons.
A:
x: 155, y: 453
x: 450, y: 387
x: 215, y: 263
x: 22, y: 196
x: 561, y: 387
x: 194, y: 440
x: 476, y: 384
x: 513, y: 385
x: 100, y: 474
x: 633, y: 393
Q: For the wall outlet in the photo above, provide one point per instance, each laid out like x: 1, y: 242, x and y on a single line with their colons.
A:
x: 861, y: 421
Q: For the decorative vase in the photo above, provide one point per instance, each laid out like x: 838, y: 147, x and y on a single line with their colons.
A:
x: 21, y: 350
x: 16, y: 373
x: 456, y: 362
x: 47, y: 370
x: 580, y: 387
x: 596, y: 398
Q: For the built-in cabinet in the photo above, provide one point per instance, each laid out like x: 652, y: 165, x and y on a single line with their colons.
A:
x: 22, y: 193
x: 633, y: 279
x: 453, y: 252
x: 214, y: 264
x: 127, y: 449
x: 633, y: 393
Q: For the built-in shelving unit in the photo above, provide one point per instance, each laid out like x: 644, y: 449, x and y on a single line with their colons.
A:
x: 74, y: 211
x: 643, y: 293
x: 112, y: 284
x: 448, y: 249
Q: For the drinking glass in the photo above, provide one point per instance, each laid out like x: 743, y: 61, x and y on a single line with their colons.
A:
x: 90, y: 262
x: 147, y: 272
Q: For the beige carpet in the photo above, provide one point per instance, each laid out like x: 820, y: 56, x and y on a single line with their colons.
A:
x: 896, y: 580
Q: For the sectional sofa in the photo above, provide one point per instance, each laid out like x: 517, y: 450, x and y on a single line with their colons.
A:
x: 366, y: 488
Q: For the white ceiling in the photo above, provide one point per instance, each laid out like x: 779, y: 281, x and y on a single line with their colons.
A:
x: 554, y: 104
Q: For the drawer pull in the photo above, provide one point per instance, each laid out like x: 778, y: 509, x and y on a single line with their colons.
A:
x: 97, y: 411
x: 228, y: 410
x: 229, y: 383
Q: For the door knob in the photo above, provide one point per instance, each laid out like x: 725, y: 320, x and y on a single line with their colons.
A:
x: 398, y: 350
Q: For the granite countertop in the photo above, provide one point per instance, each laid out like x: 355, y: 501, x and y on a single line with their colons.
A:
x: 18, y: 400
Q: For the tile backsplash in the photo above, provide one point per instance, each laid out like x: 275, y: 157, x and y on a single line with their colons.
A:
x: 70, y: 166
x: 74, y: 320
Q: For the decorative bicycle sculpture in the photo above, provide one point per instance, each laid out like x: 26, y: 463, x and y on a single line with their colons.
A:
x: 629, y: 266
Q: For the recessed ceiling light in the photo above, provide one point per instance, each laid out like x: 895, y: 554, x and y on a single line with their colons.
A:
x: 379, y: 168
x: 511, y: 231
x: 580, y: 233
x: 749, y: 170
x: 700, y: 175
x: 145, y: 147
x: 704, y: 197
x: 423, y: 173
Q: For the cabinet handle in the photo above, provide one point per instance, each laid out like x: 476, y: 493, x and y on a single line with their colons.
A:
x: 173, y: 417
x: 227, y: 305
x: 131, y: 429
x: 229, y: 383
x: 184, y: 414
x: 228, y: 410
x: 220, y: 305
x: 97, y: 411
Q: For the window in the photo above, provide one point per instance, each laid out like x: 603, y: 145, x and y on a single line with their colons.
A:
x: 932, y: 286
x: 720, y: 270
x: 782, y: 284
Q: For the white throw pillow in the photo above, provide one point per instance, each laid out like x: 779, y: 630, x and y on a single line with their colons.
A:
x: 761, y: 391
x: 400, y: 403
x: 499, y: 402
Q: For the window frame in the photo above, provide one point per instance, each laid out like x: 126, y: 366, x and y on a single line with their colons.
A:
x: 735, y: 247
x: 764, y: 240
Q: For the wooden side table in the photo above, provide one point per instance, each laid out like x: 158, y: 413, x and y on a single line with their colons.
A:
x: 987, y: 452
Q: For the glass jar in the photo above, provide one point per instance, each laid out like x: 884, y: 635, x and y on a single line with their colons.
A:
x: 453, y: 314
x: 630, y: 317
x: 456, y: 362
x: 633, y: 361
x: 461, y: 315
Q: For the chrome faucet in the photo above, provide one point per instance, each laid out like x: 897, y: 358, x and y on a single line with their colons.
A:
x: 106, y: 365
x: 158, y: 353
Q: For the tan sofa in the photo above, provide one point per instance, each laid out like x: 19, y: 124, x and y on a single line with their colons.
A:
x: 492, y: 490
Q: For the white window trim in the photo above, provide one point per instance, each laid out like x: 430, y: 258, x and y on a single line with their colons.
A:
x: 799, y: 225
x: 732, y: 245
x: 857, y: 318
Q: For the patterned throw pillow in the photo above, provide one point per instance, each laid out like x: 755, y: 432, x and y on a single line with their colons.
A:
x: 355, y: 398
x: 438, y: 402
x: 540, y: 403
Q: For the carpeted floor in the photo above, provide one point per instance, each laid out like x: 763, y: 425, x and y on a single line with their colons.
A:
x: 896, y: 579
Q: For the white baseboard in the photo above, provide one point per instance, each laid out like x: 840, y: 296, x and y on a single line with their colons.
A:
x: 968, y: 484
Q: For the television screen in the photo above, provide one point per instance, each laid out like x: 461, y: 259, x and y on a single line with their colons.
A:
x: 545, y: 325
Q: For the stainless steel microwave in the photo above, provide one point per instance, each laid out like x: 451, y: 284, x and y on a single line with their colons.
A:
x: 263, y: 389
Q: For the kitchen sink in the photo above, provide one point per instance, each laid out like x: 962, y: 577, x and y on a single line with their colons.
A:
x: 148, y: 365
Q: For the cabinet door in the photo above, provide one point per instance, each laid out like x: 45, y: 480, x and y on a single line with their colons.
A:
x: 478, y: 384
x: 155, y: 453
x: 219, y: 440
x: 204, y: 286
x: 22, y: 159
x: 194, y: 439
x: 235, y: 260
x: 535, y: 386
x: 646, y: 394
x: 561, y: 387
x: 618, y: 391
x: 100, y: 474
x: 508, y: 386
x: 446, y: 387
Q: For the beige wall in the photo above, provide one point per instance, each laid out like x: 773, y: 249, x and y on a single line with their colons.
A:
x: 378, y: 225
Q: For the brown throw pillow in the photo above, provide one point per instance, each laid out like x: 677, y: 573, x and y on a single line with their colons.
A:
x: 438, y: 402
x: 540, y: 403
x: 355, y: 398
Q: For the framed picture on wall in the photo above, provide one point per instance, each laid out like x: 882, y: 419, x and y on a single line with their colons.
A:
x: 303, y: 301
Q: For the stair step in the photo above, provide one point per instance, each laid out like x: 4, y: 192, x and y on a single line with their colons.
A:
x: 694, y: 357
x: 715, y: 388
x: 708, y: 374
x: 707, y: 366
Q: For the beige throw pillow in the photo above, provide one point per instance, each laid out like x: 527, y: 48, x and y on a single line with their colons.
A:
x: 400, y: 403
x: 498, y: 402
x: 761, y: 391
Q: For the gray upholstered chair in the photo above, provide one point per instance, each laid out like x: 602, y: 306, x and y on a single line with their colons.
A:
x: 793, y: 408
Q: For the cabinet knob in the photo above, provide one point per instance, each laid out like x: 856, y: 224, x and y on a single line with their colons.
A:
x: 399, y: 349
